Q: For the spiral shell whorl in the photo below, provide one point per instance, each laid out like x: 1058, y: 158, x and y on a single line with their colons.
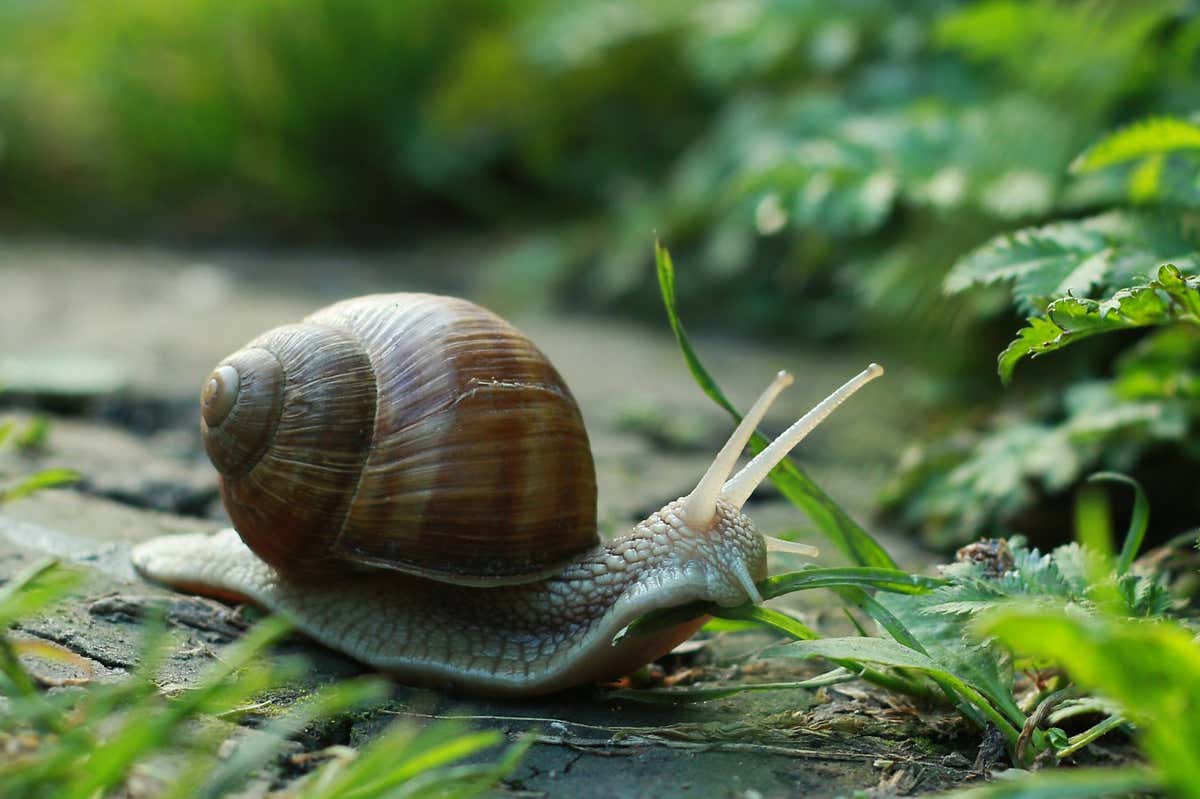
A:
x: 290, y: 503
x: 240, y: 407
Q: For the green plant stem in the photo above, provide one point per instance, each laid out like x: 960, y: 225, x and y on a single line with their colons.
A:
x: 1077, y: 742
x: 1011, y: 734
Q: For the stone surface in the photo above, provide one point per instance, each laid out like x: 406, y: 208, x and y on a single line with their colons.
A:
x: 164, y: 471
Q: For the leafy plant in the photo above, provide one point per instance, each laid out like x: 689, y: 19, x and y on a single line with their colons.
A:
x: 927, y: 642
x: 1170, y: 298
x: 91, y: 740
x: 1122, y: 270
x: 1101, y: 253
x: 1148, y: 667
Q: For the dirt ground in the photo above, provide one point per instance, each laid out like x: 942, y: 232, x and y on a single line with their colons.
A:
x: 115, y: 342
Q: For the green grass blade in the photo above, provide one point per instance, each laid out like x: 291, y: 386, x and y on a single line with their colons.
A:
x: 855, y: 542
x: 900, y: 632
x: 33, y: 589
x: 257, y: 752
x: 879, y: 579
x: 1139, y: 520
x: 45, y: 479
x: 892, y: 654
x: 840, y: 579
x: 770, y: 618
x: 150, y: 726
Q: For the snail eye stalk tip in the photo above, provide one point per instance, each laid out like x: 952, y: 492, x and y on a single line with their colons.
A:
x: 739, y: 488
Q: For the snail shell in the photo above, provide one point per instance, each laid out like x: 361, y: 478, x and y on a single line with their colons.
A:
x: 412, y: 432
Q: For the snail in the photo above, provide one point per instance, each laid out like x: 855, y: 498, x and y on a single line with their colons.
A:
x: 410, y: 483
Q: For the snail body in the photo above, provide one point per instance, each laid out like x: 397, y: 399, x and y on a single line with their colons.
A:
x: 410, y: 483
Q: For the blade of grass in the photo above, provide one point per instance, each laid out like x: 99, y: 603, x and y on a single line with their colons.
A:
x: 453, y: 782
x: 1096, y: 731
x: 794, y: 629
x: 45, y: 479
x: 882, y: 651
x: 896, y: 628
x: 1139, y: 520
x: 766, y: 617
x: 148, y: 725
x: 879, y: 579
x: 32, y: 589
x: 257, y: 752
x: 798, y: 487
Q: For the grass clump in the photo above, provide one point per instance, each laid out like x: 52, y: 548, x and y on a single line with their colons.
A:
x: 82, y: 739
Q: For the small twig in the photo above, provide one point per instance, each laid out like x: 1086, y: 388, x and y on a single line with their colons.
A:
x: 1038, y: 717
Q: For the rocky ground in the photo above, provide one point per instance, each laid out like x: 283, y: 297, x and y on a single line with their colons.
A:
x: 113, y: 343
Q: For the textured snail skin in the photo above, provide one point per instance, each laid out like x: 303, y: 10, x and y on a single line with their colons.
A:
x: 511, y: 640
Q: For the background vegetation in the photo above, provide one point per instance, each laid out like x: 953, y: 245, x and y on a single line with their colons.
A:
x: 946, y: 183
x: 819, y: 167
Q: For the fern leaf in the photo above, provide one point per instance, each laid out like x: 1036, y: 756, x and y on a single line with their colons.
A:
x: 1154, y: 136
x: 1012, y: 256
x: 1077, y: 257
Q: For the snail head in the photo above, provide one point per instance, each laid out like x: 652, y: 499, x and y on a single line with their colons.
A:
x: 712, y: 510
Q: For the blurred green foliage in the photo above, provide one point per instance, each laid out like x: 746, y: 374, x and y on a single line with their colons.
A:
x: 733, y: 123
x: 1136, y: 407
x: 269, y: 116
x: 820, y: 167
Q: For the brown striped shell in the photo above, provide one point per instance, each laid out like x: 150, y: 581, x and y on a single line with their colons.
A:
x: 405, y: 431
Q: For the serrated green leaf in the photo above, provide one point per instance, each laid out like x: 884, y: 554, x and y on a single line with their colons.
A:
x: 1075, y: 258
x: 1057, y: 247
x: 1038, y: 335
x: 1155, y: 136
x: 1171, y: 297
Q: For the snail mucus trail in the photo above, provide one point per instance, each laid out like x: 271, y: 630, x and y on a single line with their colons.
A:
x: 520, y: 638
